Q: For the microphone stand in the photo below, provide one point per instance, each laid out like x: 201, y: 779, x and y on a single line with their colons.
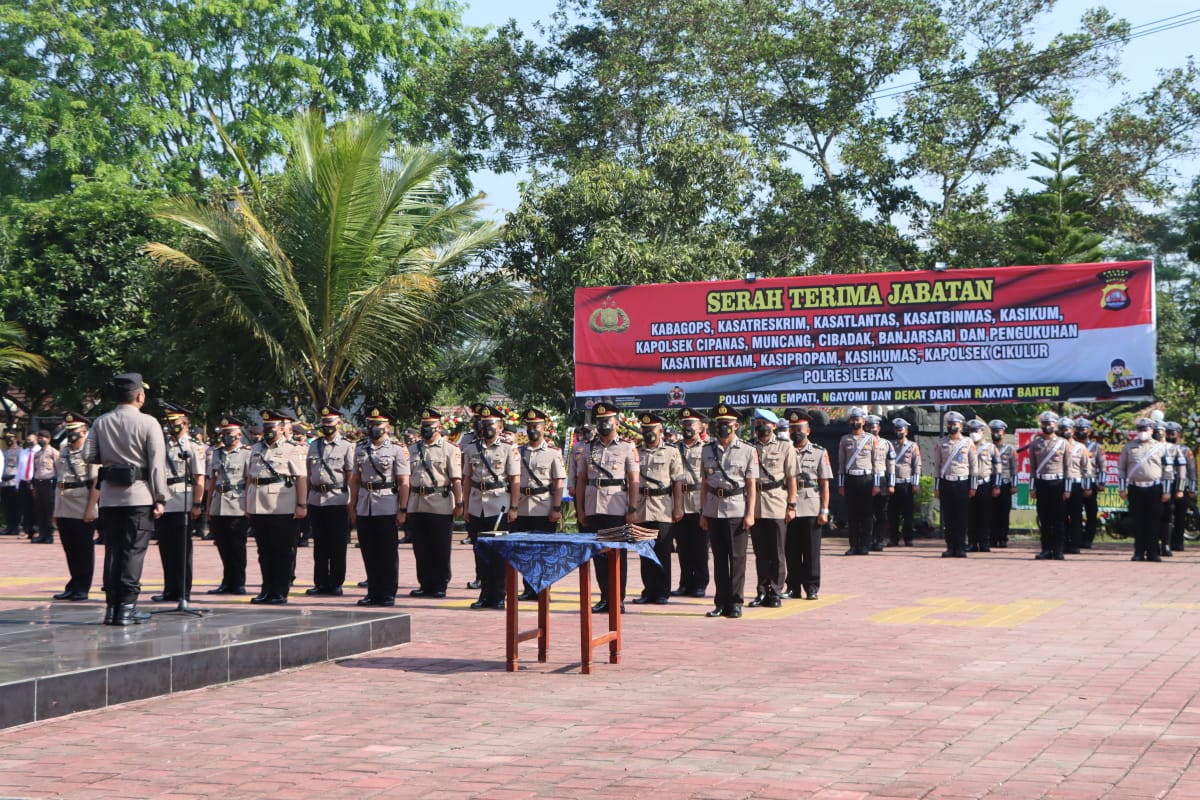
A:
x: 189, y: 482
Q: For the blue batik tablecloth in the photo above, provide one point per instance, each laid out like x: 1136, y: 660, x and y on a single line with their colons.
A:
x: 543, y: 558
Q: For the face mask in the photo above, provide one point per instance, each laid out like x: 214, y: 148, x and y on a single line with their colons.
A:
x: 1143, y: 436
x: 377, y: 431
x: 270, y: 435
x: 1172, y: 437
x: 952, y: 429
x: 534, y: 434
x: 604, y: 428
x: 856, y: 426
x: 228, y: 439
x: 328, y: 430
x: 976, y: 436
x: 489, y: 431
x: 997, y: 437
x: 427, y: 431
x: 1048, y: 429
x: 176, y: 429
x: 74, y: 436
x: 762, y: 431
x: 724, y: 429
x: 650, y: 436
x: 689, y: 434
x: 901, y: 433
x: 799, y: 437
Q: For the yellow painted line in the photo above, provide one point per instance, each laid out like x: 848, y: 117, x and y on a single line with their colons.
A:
x: 966, y: 613
x: 689, y: 607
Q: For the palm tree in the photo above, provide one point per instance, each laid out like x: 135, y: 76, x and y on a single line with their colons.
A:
x: 346, y: 264
x: 14, y: 357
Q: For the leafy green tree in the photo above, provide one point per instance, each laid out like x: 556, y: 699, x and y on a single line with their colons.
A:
x: 1054, y: 225
x: 670, y: 214
x: 345, y: 267
x: 136, y: 85
x: 73, y: 278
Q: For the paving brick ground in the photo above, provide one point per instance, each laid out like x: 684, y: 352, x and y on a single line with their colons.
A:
x: 912, y: 677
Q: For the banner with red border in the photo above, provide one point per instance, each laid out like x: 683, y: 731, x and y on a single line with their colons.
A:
x: 1005, y: 335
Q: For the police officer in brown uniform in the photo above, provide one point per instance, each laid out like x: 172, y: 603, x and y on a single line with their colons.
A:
x: 227, y: 467
x: 8, y: 485
x: 1145, y: 479
x: 814, y: 474
x: 660, y: 504
x: 954, y: 476
x: 379, y: 495
x: 542, y: 476
x: 1004, y: 483
x: 276, y: 496
x: 1099, y: 462
x: 691, y: 541
x: 584, y: 435
x: 435, y: 498
x: 608, y: 481
x: 860, y: 478
x: 905, y: 484
x: 185, y: 460
x: 466, y: 441
x: 330, y: 463
x: 979, y: 519
x: 730, y: 495
x: 128, y: 445
x: 45, y: 475
x: 776, y: 507
x: 76, y: 506
x: 1079, y: 463
x: 492, y: 478
x: 881, y: 503
x: 1048, y: 464
x: 1185, y: 484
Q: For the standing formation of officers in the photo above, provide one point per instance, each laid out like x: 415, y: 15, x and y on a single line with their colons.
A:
x: 700, y: 496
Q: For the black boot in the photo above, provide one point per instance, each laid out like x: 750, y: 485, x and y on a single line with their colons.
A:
x: 127, y: 614
x: 110, y: 614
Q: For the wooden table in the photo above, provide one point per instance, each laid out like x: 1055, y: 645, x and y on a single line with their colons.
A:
x: 571, y: 552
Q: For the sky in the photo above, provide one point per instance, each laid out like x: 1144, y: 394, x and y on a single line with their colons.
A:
x: 1142, y: 60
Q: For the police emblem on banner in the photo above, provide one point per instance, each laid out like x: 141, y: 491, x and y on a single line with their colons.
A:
x: 1120, y: 379
x: 1115, y: 295
x: 609, y: 318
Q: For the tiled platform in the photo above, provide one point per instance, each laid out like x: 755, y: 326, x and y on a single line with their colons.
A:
x: 59, y: 660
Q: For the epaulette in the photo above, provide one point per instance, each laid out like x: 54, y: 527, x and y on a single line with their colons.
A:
x: 816, y: 446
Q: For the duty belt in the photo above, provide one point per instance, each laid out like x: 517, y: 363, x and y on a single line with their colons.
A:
x: 266, y: 481
x: 1053, y: 477
x: 222, y: 488
x: 1145, y: 484
x: 488, y: 486
x: 956, y: 478
x: 177, y: 479
x: 375, y: 486
x: 76, y: 484
x: 531, y: 491
x: 425, y: 491
x: 801, y: 484
x: 767, y: 486
x: 691, y: 487
x: 857, y: 472
x: 723, y: 493
x: 607, y: 482
x: 44, y: 480
x: 326, y: 488
x: 661, y: 491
